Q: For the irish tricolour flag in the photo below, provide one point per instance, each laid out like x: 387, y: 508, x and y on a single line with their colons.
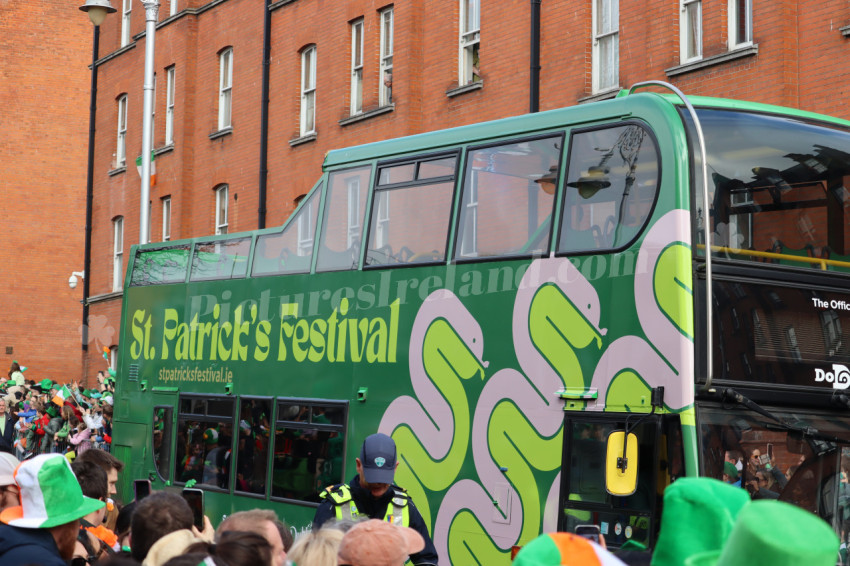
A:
x: 64, y: 394
x: 153, y: 167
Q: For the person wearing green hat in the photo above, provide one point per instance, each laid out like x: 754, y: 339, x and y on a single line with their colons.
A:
x: 774, y: 533
x: 730, y: 474
x: 43, y: 528
x: 564, y: 549
x: 698, y: 516
x: 16, y: 374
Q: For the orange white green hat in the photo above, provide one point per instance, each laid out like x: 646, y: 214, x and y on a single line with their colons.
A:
x: 50, y: 494
x: 564, y: 549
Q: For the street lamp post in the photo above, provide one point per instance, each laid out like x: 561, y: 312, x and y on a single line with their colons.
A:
x: 151, y: 14
x: 97, y: 11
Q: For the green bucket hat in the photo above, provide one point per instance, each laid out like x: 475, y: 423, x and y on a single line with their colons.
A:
x: 775, y: 533
x: 698, y: 516
x: 50, y: 495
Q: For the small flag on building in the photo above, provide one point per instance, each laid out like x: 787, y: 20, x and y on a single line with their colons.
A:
x: 153, y: 167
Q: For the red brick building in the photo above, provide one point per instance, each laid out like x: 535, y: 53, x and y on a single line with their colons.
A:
x: 45, y: 47
x: 349, y: 72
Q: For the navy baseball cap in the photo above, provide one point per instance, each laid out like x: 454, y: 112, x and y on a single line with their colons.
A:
x: 378, y: 457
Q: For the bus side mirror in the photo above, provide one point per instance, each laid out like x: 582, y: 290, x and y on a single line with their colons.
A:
x: 621, y: 472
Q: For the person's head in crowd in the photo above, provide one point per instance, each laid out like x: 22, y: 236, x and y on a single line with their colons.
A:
x: 195, y: 559
x: 92, y: 481
x: 557, y: 549
x: 240, y: 548
x: 774, y: 533
x: 9, y: 491
x: 123, y: 522
x: 378, y: 543
x: 109, y: 463
x: 730, y: 472
x: 376, y: 464
x: 316, y: 548
x: 262, y: 522
x: 51, y: 499
x: 698, y: 515
x: 156, y: 516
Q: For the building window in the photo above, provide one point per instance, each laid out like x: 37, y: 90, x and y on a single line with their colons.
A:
x: 121, y: 147
x: 125, y: 21
x: 117, y: 252
x: 221, y: 210
x: 225, y: 87
x: 691, y: 31
x: 470, y: 35
x: 166, y: 219
x: 353, y: 211
x: 382, y: 222
x: 173, y: 9
x: 386, y: 86
x: 357, y: 67
x: 169, y: 105
x: 308, y: 90
x: 606, y: 45
x: 740, y: 23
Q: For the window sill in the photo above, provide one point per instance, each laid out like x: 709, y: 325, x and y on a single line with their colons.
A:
x: 739, y: 53
x: 845, y: 31
x: 164, y: 149
x: 457, y: 91
x: 306, y: 138
x: 366, y: 115
x: 221, y: 133
x: 117, y: 171
x: 606, y: 94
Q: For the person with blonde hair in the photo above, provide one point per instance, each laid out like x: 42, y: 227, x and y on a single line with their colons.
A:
x: 316, y: 548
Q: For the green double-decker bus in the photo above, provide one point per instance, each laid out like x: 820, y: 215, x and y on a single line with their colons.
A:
x: 500, y: 298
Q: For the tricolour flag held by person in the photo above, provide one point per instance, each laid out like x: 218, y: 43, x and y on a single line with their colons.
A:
x: 64, y: 394
x: 153, y: 167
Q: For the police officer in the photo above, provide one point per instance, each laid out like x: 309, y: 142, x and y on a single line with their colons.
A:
x: 372, y: 494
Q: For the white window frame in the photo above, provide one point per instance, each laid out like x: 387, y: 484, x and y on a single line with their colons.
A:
x: 126, y: 11
x: 173, y: 8
x: 170, y: 77
x: 385, y: 96
x: 117, y: 253
x: 690, y: 30
x: 353, y: 230
x: 166, y: 219
x: 308, y: 90
x: 470, y: 37
x: 382, y: 223
x: 225, y: 88
x: 121, y: 145
x: 113, y: 358
x: 221, y: 206
x: 734, y: 7
x: 356, y: 67
x: 306, y: 233
x: 606, y: 29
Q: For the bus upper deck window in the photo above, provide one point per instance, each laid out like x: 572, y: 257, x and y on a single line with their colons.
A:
x: 506, y: 208
x: 612, y: 180
x: 342, y: 219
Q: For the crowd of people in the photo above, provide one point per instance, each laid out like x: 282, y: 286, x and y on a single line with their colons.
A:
x: 58, y: 483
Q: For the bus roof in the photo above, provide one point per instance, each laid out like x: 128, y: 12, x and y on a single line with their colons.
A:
x: 620, y: 106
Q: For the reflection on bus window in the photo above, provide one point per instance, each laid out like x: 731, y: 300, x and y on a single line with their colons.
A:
x: 252, y: 447
x: 227, y: 259
x: 611, y: 185
x: 308, y: 448
x: 342, y: 219
x: 776, y: 189
x: 290, y: 250
x: 411, y: 211
x: 165, y: 265
x: 796, y: 464
x: 204, y: 438
x: 161, y: 441
x: 508, y: 199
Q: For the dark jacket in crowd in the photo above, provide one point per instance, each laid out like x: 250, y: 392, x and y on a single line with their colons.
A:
x: 7, y: 439
x: 21, y: 547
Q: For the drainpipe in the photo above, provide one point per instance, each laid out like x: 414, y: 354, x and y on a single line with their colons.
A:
x: 264, y: 117
x: 534, y: 88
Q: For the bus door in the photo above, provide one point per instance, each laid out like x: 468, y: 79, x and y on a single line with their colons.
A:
x: 584, y: 498
x: 161, y: 430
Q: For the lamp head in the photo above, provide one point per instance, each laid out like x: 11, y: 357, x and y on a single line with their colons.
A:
x: 72, y: 282
x: 97, y: 10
